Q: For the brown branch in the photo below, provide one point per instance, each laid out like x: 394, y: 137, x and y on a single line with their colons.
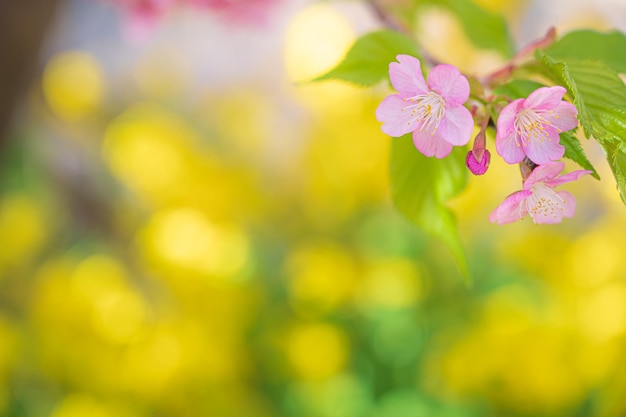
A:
x: 23, y: 25
x: 505, y: 72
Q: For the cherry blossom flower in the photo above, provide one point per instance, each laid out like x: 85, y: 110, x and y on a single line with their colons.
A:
x: 530, y: 127
x: 433, y: 111
x: 538, y: 197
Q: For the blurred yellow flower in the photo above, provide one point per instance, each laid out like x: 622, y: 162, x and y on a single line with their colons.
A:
x: 23, y: 229
x: 317, y: 351
x: 73, y: 85
x: 390, y: 283
x: 9, y: 344
x: 117, y: 313
x: 512, y: 354
x: 322, y: 276
x: 147, y: 149
x: 83, y: 405
x: 185, y: 238
x: 596, y: 257
x: 603, y: 312
x: 152, y: 364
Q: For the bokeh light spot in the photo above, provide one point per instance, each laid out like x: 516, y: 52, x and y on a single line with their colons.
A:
x: 317, y: 351
x: 403, y: 403
x: 186, y: 238
x: 145, y: 149
x: 119, y: 316
x: 7, y: 347
x: 342, y: 395
x: 117, y: 313
x: 321, y: 277
x: 310, y: 51
x: 82, y: 405
x: 150, y: 365
x: 595, y: 258
x: 390, y: 283
x: 73, y: 85
x: 603, y: 312
x: 98, y: 274
x: 22, y: 228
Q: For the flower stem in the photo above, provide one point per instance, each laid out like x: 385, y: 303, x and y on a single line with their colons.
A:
x: 385, y: 18
x: 390, y: 22
x: 526, y: 167
x: 505, y: 72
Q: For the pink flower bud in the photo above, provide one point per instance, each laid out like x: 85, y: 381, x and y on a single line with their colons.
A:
x: 477, y: 161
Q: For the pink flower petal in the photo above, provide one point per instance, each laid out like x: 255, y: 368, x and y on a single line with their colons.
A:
x: 544, y: 173
x: 542, y: 150
x: 396, y: 121
x: 456, y: 126
x: 431, y: 145
x: 562, y: 117
x: 569, y: 207
x: 511, y: 209
x: 563, y: 179
x: 447, y: 81
x: 509, y: 149
x: 506, y: 120
x: 545, y: 98
x: 406, y: 76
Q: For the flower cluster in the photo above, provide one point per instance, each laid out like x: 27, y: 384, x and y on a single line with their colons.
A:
x: 527, y: 133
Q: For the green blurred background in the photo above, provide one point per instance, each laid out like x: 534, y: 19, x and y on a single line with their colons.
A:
x: 187, y: 230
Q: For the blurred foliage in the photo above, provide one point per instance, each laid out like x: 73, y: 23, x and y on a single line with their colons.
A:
x: 170, y: 258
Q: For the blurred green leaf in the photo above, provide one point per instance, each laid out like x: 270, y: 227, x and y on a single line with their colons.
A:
x: 486, y: 30
x: 517, y: 88
x: 575, y: 152
x: 607, y: 48
x: 367, y: 61
x: 422, y: 186
x: 600, y: 97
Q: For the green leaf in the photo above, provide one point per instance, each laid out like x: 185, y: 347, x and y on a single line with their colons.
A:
x: 607, y: 48
x: 517, y: 88
x: 484, y: 29
x: 600, y: 97
x: 421, y: 187
x: 574, y: 151
x: 367, y: 61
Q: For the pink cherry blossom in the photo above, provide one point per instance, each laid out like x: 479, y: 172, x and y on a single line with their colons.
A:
x: 530, y: 127
x: 433, y: 111
x: 538, y: 197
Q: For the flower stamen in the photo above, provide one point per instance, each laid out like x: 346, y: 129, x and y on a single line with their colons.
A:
x: 530, y: 124
x: 544, y: 202
x: 427, y: 110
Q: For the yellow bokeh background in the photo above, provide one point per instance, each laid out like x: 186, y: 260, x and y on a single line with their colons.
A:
x: 172, y: 246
